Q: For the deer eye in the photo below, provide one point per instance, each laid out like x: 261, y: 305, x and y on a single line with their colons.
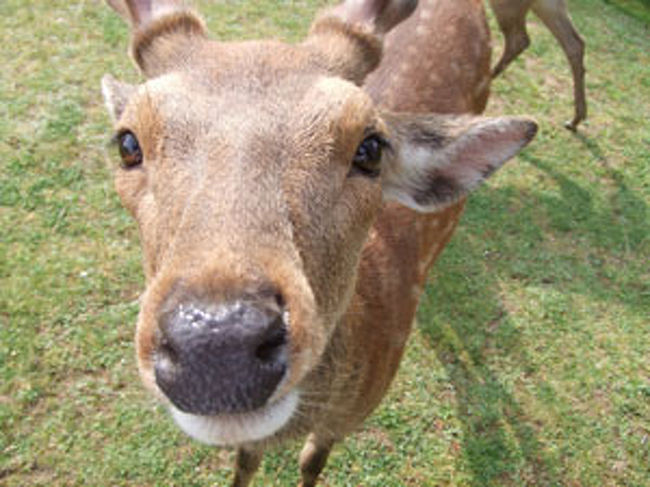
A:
x: 367, y: 160
x: 130, y: 150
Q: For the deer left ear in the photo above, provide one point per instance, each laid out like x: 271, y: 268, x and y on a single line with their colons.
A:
x: 437, y: 159
x: 116, y: 95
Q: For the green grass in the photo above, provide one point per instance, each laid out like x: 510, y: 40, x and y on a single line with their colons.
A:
x: 530, y: 362
x: 636, y: 8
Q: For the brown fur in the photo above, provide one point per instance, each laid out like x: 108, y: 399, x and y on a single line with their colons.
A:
x: 246, y: 186
x: 162, y: 44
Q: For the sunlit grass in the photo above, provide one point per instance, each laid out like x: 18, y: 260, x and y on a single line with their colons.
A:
x: 529, y: 363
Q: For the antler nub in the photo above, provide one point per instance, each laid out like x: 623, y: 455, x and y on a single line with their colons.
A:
x: 160, y: 30
x: 349, y: 37
x: 380, y: 16
x: 140, y: 12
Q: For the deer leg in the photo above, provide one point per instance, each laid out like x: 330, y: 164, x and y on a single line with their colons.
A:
x: 511, y: 17
x: 517, y: 41
x: 313, y: 458
x: 558, y: 22
x: 247, y: 463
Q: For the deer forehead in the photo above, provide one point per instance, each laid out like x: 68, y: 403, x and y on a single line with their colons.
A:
x: 220, y: 149
x: 294, y: 114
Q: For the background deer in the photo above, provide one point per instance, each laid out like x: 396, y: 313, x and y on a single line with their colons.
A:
x: 282, y: 275
x: 511, y: 16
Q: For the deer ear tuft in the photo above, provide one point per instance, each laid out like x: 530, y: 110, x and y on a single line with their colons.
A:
x: 116, y: 95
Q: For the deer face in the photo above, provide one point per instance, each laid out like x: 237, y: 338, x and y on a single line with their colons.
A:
x: 255, y: 172
x: 252, y: 214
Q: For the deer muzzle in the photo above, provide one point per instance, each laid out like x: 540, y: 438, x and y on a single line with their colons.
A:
x: 227, y: 354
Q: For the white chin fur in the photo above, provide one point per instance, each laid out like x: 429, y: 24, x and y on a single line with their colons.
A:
x: 234, y: 429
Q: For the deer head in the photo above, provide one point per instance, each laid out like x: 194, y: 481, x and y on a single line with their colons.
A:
x: 255, y: 171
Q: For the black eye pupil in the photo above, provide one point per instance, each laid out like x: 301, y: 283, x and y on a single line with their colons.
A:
x: 368, y: 156
x: 129, y: 149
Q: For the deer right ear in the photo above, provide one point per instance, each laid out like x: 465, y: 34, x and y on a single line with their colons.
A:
x: 116, y: 95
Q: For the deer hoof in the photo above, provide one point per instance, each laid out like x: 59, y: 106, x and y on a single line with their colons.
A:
x: 571, y: 125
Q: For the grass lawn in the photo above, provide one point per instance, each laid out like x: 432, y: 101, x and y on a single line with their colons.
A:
x: 530, y: 365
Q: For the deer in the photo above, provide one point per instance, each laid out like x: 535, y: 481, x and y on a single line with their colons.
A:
x: 511, y: 17
x: 290, y: 200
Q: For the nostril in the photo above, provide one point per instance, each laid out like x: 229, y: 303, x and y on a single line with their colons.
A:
x: 166, y: 360
x: 279, y: 300
x: 271, y: 350
x: 271, y: 296
x: 167, y: 352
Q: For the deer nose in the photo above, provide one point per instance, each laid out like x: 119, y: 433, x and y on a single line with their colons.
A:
x: 221, y: 359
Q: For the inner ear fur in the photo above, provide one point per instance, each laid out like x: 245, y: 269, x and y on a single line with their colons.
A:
x: 437, y: 159
x: 116, y: 95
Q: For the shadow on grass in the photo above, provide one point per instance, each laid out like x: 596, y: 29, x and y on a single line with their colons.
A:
x: 639, y: 9
x: 623, y: 223
x: 563, y: 238
x: 500, y: 441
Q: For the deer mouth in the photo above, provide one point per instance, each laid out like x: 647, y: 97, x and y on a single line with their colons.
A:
x: 232, y: 429
x: 228, y: 365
